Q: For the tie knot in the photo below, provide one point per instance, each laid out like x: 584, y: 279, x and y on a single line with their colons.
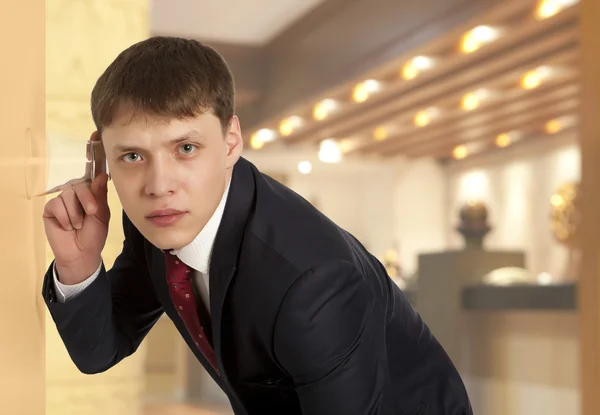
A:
x: 176, y: 269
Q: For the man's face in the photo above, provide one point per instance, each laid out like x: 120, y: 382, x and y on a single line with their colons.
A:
x: 170, y: 174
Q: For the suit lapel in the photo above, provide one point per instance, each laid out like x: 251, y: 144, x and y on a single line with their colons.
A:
x: 158, y: 272
x: 228, y: 242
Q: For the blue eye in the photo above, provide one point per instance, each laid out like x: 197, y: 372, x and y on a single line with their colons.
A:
x: 131, y: 157
x: 187, y: 149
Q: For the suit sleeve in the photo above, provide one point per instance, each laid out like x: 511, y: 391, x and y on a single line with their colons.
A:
x: 330, y: 338
x: 107, y: 321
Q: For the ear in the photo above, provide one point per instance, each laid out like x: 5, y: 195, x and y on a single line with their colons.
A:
x: 234, y: 143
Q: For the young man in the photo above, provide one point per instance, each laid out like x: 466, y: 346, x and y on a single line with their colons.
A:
x: 287, y: 312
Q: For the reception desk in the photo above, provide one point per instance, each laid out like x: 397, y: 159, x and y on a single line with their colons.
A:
x: 516, y: 346
x: 550, y: 297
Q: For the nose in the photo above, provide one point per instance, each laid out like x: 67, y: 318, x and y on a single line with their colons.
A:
x: 160, y: 178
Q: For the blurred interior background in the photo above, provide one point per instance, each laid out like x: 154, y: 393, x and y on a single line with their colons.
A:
x: 454, y: 138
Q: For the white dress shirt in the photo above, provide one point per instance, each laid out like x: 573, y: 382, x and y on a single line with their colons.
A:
x: 196, y: 255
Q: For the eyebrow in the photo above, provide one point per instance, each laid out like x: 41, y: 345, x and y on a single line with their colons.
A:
x: 191, y: 135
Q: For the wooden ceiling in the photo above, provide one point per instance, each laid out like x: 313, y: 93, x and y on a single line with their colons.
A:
x: 520, y: 83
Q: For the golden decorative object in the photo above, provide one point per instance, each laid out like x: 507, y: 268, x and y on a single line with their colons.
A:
x: 565, y: 223
x: 565, y: 214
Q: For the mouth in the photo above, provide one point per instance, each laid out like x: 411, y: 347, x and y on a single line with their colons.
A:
x: 165, y: 217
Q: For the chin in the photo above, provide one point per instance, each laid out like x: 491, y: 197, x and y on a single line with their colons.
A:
x: 168, y: 239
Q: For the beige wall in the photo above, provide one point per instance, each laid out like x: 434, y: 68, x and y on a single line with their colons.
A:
x: 361, y: 203
x: 103, y: 28
x: 22, y: 258
x: 358, y: 195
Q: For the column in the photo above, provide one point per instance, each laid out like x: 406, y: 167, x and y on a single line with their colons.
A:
x: 22, y: 41
x: 589, y: 282
x: 83, y: 37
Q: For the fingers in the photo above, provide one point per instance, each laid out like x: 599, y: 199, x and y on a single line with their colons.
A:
x: 86, y: 198
x: 67, y: 208
x: 93, y: 198
x: 95, y: 136
x: 55, y: 209
x: 99, y: 188
x: 73, y: 207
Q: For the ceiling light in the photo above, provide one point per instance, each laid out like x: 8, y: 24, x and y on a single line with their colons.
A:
x: 508, y: 138
x: 553, y: 126
x: 460, y: 152
x: 536, y: 77
x: 329, y: 151
x: 266, y: 135
x: 549, y: 8
x: 559, y: 124
x: 472, y: 100
x: 503, y: 140
x: 363, y: 90
x: 478, y: 37
x: 415, y: 66
x: 255, y: 142
x: 380, y: 133
x: 324, y: 108
x: 304, y: 167
x: 349, y: 144
x: 287, y: 126
x: 262, y: 136
x: 423, y: 118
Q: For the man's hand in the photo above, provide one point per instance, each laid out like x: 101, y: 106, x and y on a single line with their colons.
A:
x: 76, y: 225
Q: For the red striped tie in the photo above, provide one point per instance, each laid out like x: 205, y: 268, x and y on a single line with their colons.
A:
x: 179, y: 280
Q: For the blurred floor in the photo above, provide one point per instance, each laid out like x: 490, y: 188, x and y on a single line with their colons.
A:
x: 180, y: 409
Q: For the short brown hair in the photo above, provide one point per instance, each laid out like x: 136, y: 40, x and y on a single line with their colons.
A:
x: 165, y: 76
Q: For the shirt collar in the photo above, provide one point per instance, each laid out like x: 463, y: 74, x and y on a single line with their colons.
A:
x: 197, y: 254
